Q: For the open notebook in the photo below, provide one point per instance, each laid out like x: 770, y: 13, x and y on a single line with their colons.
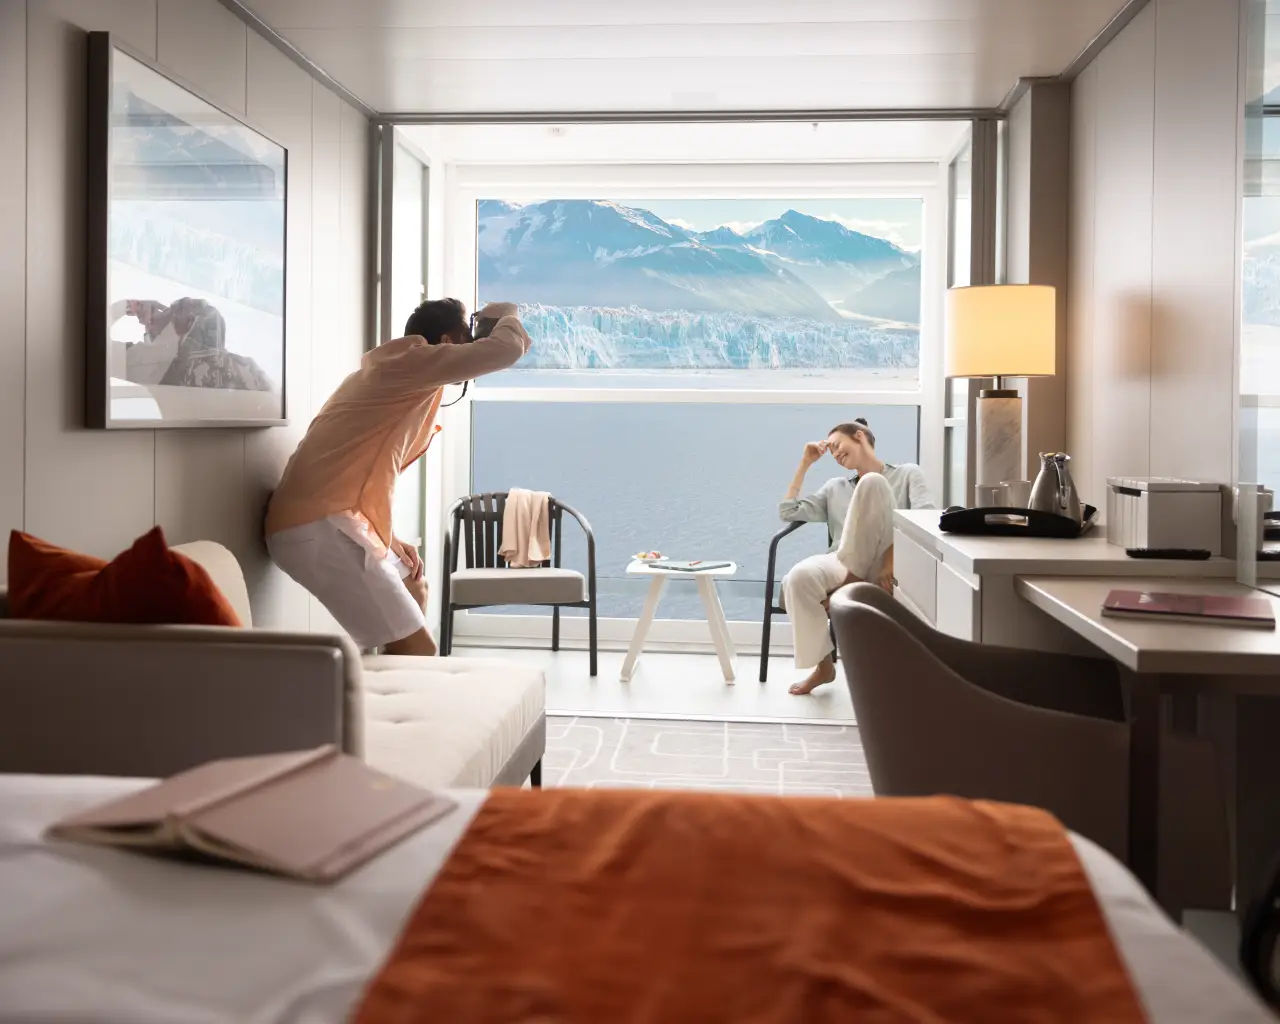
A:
x: 312, y: 815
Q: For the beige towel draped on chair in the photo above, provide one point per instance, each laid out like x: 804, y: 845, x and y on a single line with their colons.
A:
x: 526, y: 529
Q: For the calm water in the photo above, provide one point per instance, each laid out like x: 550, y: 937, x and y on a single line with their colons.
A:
x: 692, y: 480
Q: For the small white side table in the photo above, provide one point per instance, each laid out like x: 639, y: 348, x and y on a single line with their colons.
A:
x: 710, y: 599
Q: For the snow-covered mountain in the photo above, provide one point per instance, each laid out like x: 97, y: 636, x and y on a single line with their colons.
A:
x: 896, y: 296
x: 864, y: 274
x: 836, y: 261
x: 594, y: 253
x: 601, y: 284
x: 589, y: 252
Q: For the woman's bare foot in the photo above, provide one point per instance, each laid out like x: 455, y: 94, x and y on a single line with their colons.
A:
x: 824, y: 673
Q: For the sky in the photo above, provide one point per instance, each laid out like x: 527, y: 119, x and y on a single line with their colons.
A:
x: 897, y: 220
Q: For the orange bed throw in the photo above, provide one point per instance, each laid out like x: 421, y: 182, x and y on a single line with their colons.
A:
x: 623, y: 906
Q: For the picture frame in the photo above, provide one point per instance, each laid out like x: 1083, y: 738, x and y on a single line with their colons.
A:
x: 186, y: 254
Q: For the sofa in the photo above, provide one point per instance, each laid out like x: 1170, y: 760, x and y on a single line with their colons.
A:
x: 95, y: 699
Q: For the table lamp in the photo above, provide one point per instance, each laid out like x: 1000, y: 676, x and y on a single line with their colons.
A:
x: 1000, y: 330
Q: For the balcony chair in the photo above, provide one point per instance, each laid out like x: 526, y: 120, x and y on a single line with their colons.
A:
x: 941, y: 715
x: 486, y: 581
x: 773, y: 600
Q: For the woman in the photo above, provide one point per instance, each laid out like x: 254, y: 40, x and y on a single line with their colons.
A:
x: 858, y: 512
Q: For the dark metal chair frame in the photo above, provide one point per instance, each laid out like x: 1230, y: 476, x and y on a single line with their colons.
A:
x: 482, y: 514
x: 774, y: 607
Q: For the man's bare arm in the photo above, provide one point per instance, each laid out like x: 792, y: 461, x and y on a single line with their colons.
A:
x: 452, y: 364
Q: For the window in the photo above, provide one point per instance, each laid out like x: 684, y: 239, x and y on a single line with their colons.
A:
x: 959, y: 260
x: 685, y: 347
x: 689, y: 479
x: 705, y: 293
x: 1259, y: 415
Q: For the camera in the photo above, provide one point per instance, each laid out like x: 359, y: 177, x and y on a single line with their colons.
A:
x: 481, y: 327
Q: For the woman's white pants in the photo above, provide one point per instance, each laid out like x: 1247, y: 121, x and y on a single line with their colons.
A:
x: 864, y: 541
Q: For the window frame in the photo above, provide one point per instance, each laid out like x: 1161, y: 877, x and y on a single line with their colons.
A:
x: 465, y: 184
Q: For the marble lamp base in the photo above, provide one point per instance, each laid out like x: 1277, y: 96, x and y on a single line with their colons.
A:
x: 999, y: 440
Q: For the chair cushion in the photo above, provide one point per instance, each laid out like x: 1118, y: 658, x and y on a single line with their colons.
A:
x: 517, y: 586
x: 148, y: 583
x: 448, y: 721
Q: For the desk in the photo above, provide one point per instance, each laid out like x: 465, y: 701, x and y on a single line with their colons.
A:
x: 964, y: 585
x: 1160, y: 658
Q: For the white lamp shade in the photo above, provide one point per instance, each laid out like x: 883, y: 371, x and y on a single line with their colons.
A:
x: 1001, y: 330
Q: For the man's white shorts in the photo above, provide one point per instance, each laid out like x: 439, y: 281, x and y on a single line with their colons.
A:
x: 365, y: 593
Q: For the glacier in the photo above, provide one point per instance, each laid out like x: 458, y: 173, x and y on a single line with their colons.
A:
x: 230, y: 263
x: 632, y: 338
x: 1261, y: 286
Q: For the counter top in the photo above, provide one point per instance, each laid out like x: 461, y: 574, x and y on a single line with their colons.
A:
x: 1089, y: 555
x: 1166, y: 647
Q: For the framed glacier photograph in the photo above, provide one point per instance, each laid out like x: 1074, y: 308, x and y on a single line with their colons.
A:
x: 185, y: 243
x: 804, y: 293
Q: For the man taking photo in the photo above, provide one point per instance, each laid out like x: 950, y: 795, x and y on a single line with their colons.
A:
x: 328, y: 524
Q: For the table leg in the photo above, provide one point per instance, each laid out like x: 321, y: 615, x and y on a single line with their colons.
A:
x: 718, y: 626
x: 1144, y: 779
x: 656, y: 586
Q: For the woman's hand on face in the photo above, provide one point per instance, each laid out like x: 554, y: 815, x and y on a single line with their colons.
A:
x: 814, y: 450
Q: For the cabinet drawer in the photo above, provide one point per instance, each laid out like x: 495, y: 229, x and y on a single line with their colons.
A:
x: 916, y: 570
x: 957, y: 610
x: 910, y: 605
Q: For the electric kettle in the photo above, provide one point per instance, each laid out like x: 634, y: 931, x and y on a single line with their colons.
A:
x: 1054, y: 491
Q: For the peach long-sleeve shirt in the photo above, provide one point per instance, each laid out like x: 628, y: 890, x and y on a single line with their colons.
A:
x: 378, y: 422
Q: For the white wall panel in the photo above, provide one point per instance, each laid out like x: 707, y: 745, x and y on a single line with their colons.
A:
x: 91, y: 490
x: 204, y: 43
x: 200, y: 488
x: 280, y: 102
x: 329, y: 363
x: 1080, y: 312
x: 1122, y: 370
x: 1196, y: 203
x: 13, y: 298
x: 199, y: 474
x: 1153, y: 248
x: 354, y: 238
x: 98, y: 490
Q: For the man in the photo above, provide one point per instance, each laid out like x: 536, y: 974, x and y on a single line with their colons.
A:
x: 858, y: 512
x: 329, y: 522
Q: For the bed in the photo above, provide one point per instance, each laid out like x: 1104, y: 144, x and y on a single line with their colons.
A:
x: 94, y: 935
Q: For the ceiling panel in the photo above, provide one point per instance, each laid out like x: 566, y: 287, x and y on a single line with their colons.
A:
x: 568, y: 13
x: 434, y: 56
x: 736, y: 143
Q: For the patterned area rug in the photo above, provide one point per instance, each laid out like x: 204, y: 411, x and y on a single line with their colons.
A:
x: 791, y: 760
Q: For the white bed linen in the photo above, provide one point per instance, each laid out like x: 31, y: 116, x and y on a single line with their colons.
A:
x: 95, y: 936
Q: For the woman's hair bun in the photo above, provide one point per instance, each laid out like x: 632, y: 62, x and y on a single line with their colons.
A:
x: 862, y: 421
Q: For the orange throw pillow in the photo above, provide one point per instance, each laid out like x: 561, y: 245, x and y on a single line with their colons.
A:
x: 148, y: 583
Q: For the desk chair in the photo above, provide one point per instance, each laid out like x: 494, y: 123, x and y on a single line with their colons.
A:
x: 941, y: 715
